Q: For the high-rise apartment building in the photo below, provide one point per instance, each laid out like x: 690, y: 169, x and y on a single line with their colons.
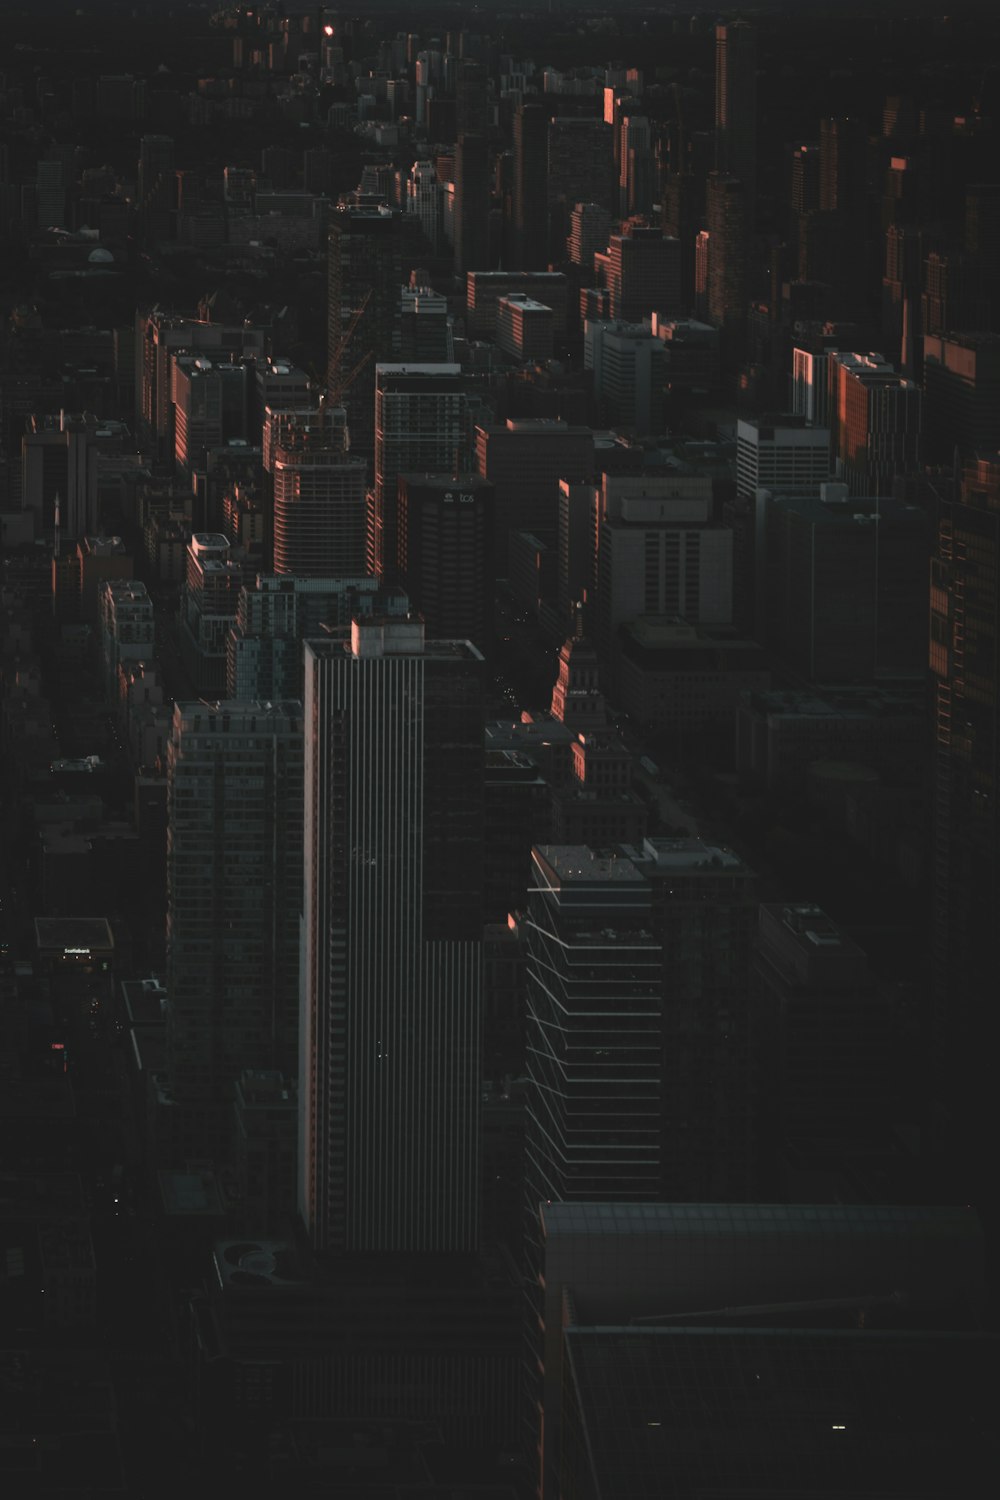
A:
x: 810, y: 383
x: 156, y: 187
x: 485, y: 288
x: 839, y: 250
x: 50, y: 193
x: 629, y: 366
x: 423, y: 198
x: 425, y: 329
x: 703, y: 912
x: 639, y: 1048
x: 643, y: 273
x: 319, y: 496
x: 444, y: 554
x: 390, y: 1064
x: 524, y: 328
x: 60, y: 456
x: 365, y: 274
x: 159, y: 336
x: 472, y: 203
x: 264, y: 651
x: 875, y: 422
x: 589, y: 233
x: 212, y: 580
x: 210, y: 401
x: 234, y: 882
x: 680, y: 215
x: 637, y: 169
x: 421, y: 426
x: 127, y: 628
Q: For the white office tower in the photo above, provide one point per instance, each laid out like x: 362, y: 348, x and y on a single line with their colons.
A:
x: 391, y: 942
x: 783, y: 454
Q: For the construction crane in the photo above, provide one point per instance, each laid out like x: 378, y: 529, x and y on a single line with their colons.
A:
x: 345, y: 338
x: 343, y: 384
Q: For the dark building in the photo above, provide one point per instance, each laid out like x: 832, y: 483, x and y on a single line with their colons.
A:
x: 914, y: 1402
x: 444, y: 542
x: 531, y: 209
x: 643, y: 273
x: 842, y: 584
x: 822, y: 1030
x: 961, y: 395
x: 421, y: 426
x: 472, y: 185
x: 365, y: 275
x: 628, y: 1335
x: 595, y: 1057
x: 736, y: 107
x: 233, y: 898
x: 680, y: 215
x: 392, y: 942
x: 524, y: 460
x: 517, y: 811
x: 581, y: 169
x: 964, y: 644
x: 728, y: 220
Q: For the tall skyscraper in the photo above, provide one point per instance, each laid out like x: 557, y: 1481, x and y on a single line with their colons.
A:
x: 423, y: 198
x: 874, y: 419
x: 643, y: 272
x: 421, y: 426
x: 736, y: 106
x: 234, y: 881
x: 531, y: 208
x: 679, y: 215
x: 392, y: 926
x: 839, y: 250
x: 841, y: 584
x: 444, y: 555
x: 581, y: 163
x: 964, y: 652
x: 365, y: 275
x: 728, y: 210
x: 472, y: 203
x: 156, y: 186
x: 589, y: 232
x: 961, y: 394
x: 472, y: 192
x: 595, y: 1056
x: 823, y: 1030
x: 524, y: 460
x: 319, y: 497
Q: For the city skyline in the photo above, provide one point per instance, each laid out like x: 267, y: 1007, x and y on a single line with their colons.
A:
x: 499, y: 598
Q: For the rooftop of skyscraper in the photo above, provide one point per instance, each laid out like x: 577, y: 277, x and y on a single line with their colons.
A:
x: 578, y: 862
